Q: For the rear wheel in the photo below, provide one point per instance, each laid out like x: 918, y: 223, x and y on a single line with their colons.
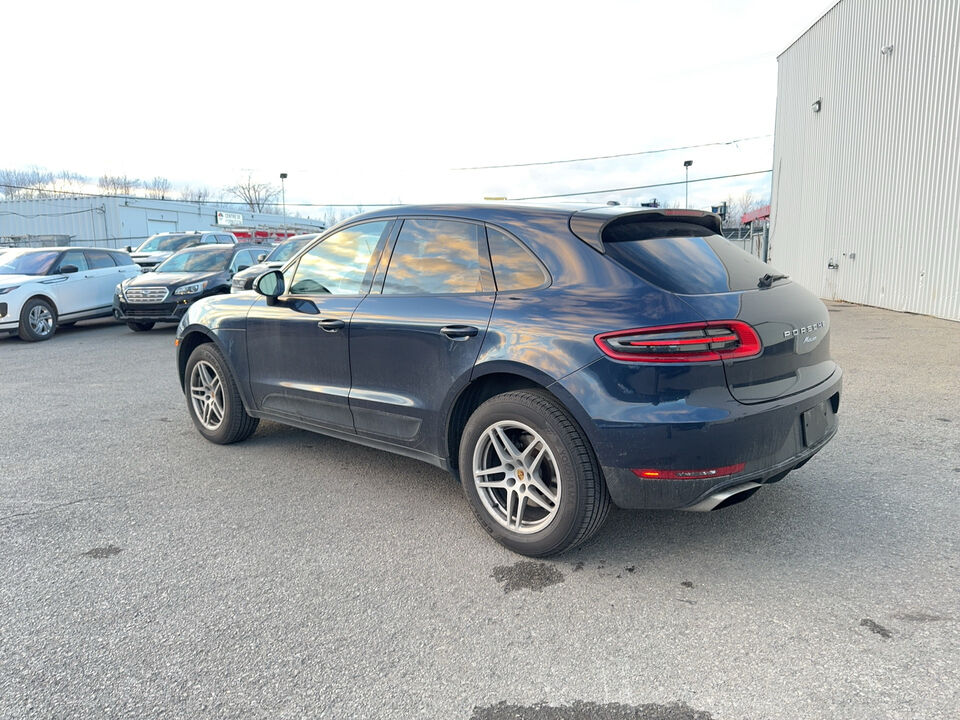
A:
x: 140, y: 326
x: 213, y: 399
x: 38, y: 320
x: 530, y: 475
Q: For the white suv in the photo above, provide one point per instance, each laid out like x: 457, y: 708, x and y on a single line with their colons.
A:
x: 159, y: 247
x: 49, y: 287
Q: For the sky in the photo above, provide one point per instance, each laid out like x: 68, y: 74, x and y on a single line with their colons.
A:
x: 381, y: 102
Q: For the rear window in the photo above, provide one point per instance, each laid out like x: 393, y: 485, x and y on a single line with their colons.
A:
x: 683, y: 257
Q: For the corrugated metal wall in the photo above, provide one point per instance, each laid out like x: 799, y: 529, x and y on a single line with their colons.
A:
x: 871, y: 183
x: 119, y: 221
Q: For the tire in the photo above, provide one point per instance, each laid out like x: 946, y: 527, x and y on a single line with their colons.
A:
x: 211, y: 391
x: 562, y: 498
x: 38, y: 320
x: 140, y: 326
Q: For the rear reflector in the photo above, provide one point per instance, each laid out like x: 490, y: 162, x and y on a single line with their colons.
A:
x: 689, y: 342
x: 689, y: 474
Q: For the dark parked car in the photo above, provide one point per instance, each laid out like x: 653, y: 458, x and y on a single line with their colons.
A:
x: 165, y: 294
x: 555, y: 359
x: 276, y: 258
x: 157, y: 248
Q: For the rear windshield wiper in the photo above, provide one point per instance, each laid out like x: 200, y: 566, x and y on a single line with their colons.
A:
x: 768, y: 280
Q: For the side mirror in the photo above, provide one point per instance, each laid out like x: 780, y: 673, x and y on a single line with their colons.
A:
x: 270, y: 285
x: 242, y: 268
x: 68, y: 269
x: 129, y: 248
x: 261, y: 257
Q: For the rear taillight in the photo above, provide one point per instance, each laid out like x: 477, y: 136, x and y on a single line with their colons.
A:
x: 690, y: 342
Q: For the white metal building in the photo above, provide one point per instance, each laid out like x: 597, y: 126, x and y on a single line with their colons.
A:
x: 866, y: 172
x: 120, y: 221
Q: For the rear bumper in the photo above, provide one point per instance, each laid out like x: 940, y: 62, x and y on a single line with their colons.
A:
x: 768, y: 438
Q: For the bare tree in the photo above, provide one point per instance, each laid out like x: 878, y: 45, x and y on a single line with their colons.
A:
x: 195, y: 194
x: 117, y: 184
x: 158, y: 188
x: 256, y: 196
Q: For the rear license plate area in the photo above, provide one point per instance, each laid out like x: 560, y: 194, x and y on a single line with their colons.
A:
x: 817, y: 422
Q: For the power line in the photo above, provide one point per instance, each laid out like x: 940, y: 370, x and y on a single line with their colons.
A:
x: 637, y: 187
x: 618, y: 155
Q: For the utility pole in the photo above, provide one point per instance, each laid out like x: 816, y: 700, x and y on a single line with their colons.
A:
x: 686, y: 183
x: 283, y: 195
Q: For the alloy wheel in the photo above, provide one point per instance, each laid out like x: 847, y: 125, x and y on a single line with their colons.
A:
x: 41, y: 320
x: 516, y: 477
x: 206, y: 395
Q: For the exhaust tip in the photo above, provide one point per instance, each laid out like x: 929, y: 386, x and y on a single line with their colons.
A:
x: 725, y: 498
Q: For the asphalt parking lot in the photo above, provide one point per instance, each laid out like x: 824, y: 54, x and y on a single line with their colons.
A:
x: 145, y: 572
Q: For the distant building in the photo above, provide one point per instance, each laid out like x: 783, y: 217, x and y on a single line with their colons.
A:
x: 116, y: 222
x: 866, y: 166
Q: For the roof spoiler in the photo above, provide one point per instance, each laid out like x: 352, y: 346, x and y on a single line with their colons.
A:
x: 588, y: 225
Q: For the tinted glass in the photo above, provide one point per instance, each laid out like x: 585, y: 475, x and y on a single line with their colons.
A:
x: 201, y: 259
x: 285, y: 251
x: 683, y: 257
x: 514, y: 266
x: 243, y: 258
x: 338, y: 265
x: 434, y: 257
x: 30, y: 263
x: 73, y: 257
x: 166, y: 243
x: 122, y: 259
x: 97, y: 259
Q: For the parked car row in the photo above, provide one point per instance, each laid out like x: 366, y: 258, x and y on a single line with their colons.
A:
x: 46, y: 288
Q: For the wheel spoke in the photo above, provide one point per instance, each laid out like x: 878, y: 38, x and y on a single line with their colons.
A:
x: 198, y: 392
x: 536, y: 482
x: 499, y: 447
x: 511, y: 501
x: 546, y: 504
x: 502, y: 484
x: 535, y: 465
x: 491, y: 471
x: 522, y: 506
x: 508, y: 445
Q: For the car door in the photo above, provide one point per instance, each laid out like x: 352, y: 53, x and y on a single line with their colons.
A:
x: 72, y: 292
x: 103, y: 276
x: 297, y: 348
x: 418, y: 338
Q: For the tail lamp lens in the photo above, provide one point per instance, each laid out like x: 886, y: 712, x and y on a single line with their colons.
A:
x: 686, y: 343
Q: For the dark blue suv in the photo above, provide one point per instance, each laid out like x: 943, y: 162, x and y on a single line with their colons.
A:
x: 554, y: 359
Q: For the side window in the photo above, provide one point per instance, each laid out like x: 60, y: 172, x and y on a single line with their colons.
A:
x: 98, y: 259
x: 339, y: 264
x: 73, y: 257
x: 208, y: 240
x: 514, y: 266
x: 226, y: 239
x: 434, y: 257
x: 122, y: 259
x: 241, y: 259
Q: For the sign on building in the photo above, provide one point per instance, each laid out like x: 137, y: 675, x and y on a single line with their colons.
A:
x: 229, y: 218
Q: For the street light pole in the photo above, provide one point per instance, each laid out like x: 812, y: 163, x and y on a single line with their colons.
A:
x: 686, y: 183
x: 283, y: 195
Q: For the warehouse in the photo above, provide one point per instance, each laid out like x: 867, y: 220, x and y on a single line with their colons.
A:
x: 866, y: 173
x: 120, y: 221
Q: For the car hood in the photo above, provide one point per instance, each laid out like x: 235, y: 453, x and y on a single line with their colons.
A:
x: 8, y: 280
x: 172, y: 279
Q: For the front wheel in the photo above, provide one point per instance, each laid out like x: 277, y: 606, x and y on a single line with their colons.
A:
x: 140, y: 326
x: 38, y: 320
x: 213, y: 400
x: 530, y: 475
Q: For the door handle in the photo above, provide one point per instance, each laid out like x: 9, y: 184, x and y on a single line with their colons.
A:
x: 459, y: 332
x: 331, y: 324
